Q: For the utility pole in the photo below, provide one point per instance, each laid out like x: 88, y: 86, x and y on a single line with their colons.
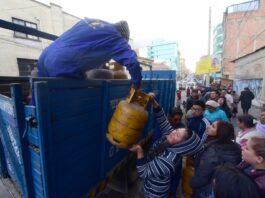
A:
x: 209, y: 31
x: 207, y: 83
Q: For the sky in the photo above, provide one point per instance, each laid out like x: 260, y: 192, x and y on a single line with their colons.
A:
x: 185, y: 22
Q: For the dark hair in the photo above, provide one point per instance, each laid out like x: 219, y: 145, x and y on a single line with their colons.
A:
x: 195, y: 91
x: 225, y: 132
x: 189, y: 134
x: 247, y: 120
x: 258, y: 145
x: 216, y: 91
x: 200, y: 103
x: 225, y: 101
x: 175, y: 111
x: 231, y: 182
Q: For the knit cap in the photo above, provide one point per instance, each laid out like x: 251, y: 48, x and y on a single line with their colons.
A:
x: 123, y: 28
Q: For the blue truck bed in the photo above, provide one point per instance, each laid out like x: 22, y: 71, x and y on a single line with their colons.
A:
x: 58, y: 147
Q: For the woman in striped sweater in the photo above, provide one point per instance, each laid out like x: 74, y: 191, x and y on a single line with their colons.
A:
x: 159, y: 164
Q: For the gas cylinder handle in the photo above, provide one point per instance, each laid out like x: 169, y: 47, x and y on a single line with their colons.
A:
x: 138, y: 96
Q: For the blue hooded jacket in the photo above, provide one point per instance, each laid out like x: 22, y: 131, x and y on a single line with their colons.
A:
x: 87, y: 45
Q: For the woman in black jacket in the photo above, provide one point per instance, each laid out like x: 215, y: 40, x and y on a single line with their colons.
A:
x: 223, y: 105
x: 246, y: 98
x: 219, y: 150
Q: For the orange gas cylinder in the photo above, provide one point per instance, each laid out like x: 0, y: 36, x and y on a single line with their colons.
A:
x: 128, y: 120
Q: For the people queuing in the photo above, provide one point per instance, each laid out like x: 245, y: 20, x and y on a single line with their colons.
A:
x: 253, y: 155
x: 213, y: 112
x: 261, y: 123
x: 246, y: 98
x: 247, y: 126
x: 221, y: 149
x: 157, y: 165
x: 213, y: 144
x: 175, y: 120
x: 224, y: 106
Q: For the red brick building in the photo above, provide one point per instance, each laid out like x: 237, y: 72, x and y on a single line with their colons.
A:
x: 244, y: 32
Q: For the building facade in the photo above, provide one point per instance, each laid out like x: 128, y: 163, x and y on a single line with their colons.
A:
x: 165, y: 51
x: 20, y: 51
x: 218, y: 41
x: 246, y: 74
x: 244, y: 32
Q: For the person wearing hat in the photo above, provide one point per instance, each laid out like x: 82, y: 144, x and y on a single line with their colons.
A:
x: 88, y: 45
x: 213, y: 112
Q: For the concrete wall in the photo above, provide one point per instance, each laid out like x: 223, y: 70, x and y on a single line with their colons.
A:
x: 255, y: 85
x: 244, y: 33
x: 250, y: 72
x: 49, y: 18
x: 250, y: 66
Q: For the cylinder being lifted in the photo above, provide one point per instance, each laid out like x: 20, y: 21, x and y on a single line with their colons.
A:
x: 128, y: 120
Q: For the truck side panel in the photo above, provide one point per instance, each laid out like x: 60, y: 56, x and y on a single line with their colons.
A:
x: 65, y: 134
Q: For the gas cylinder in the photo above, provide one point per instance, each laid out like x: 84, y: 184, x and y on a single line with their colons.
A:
x: 118, y: 71
x: 128, y: 120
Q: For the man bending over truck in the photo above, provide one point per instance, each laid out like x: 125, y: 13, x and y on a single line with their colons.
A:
x: 89, y: 44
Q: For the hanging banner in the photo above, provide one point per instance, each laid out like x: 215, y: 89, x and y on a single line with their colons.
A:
x: 207, y: 65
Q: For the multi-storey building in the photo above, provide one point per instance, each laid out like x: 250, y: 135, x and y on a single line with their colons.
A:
x: 244, y: 32
x: 218, y: 41
x: 19, y: 51
x: 165, y: 51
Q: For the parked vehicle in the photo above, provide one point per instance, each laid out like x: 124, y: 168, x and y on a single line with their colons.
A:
x: 58, y: 148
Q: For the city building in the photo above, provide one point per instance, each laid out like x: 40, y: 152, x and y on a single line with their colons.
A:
x: 244, y: 32
x: 218, y: 41
x: 145, y: 63
x: 19, y: 51
x: 165, y: 51
x: 246, y: 74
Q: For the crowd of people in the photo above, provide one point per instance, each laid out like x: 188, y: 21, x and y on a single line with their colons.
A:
x: 227, y: 163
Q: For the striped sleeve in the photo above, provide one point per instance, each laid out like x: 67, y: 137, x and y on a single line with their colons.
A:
x: 159, y: 166
x: 204, y: 137
x: 162, y: 121
x: 200, y: 147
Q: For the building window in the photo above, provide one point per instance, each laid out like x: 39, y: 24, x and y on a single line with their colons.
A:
x: 26, y: 24
x: 25, y: 66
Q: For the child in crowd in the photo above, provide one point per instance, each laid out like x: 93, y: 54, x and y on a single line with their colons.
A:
x: 246, y: 124
x: 231, y: 182
x: 254, y: 154
x: 157, y: 167
x: 261, y: 124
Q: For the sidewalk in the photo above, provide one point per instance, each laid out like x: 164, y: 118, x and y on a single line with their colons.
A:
x: 3, y: 191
